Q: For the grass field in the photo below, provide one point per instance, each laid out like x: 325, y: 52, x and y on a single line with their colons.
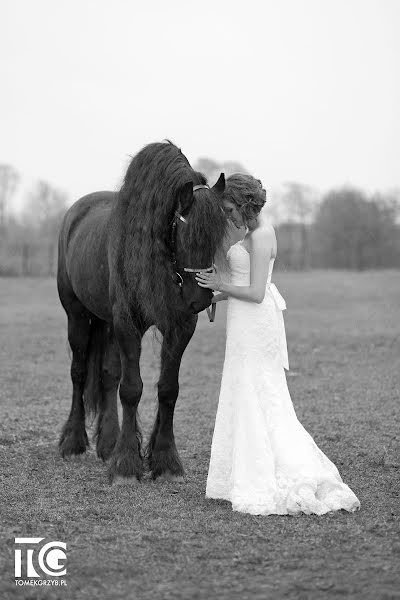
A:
x: 164, y: 541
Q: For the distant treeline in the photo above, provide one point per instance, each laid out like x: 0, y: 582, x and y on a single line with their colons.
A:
x: 343, y: 229
x: 349, y: 231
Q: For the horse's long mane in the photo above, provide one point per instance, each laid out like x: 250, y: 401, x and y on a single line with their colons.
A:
x: 143, y: 216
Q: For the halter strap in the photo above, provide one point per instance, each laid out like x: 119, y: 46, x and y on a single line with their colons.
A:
x: 211, y: 312
x: 195, y: 188
x: 179, y: 216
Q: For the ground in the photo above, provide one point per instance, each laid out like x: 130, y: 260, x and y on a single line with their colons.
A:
x: 162, y: 541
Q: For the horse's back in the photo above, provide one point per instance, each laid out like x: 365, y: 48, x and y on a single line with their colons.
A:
x: 95, y: 207
x: 83, y: 268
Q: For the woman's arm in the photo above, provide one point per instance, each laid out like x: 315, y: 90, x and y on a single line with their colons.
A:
x: 219, y: 297
x: 261, y: 243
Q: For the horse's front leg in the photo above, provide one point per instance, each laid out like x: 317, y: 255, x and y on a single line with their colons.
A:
x: 161, y: 451
x: 127, y: 461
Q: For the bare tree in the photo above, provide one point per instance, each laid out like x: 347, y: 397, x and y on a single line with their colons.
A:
x: 45, y: 207
x: 299, y: 203
x: 42, y: 216
x: 9, y: 180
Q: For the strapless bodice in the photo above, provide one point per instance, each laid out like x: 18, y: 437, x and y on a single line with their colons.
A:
x: 239, y: 263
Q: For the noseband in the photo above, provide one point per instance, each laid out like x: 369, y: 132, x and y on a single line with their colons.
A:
x: 177, y: 275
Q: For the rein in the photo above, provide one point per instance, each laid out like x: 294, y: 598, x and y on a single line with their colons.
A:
x: 178, y: 276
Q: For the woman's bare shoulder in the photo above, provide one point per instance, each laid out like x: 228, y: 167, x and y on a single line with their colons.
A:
x: 266, y: 234
x: 263, y: 237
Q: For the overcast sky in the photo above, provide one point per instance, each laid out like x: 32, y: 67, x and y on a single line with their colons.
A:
x: 305, y: 90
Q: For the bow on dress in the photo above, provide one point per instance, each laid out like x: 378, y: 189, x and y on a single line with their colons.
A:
x: 280, y: 306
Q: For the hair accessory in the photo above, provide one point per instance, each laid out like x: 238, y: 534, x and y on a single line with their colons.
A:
x: 199, y: 187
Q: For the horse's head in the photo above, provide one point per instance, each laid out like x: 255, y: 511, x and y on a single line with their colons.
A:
x: 198, y: 228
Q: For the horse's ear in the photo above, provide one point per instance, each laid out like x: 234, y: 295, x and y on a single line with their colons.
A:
x: 185, y: 197
x: 219, y: 187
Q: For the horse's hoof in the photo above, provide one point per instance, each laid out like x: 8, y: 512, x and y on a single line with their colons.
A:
x: 121, y: 480
x: 104, y: 452
x: 106, y: 442
x: 73, y: 442
x: 69, y: 451
x: 74, y: 457
x: 168, y: 476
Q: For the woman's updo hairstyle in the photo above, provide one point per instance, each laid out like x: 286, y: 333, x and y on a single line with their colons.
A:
x: 246, y: 193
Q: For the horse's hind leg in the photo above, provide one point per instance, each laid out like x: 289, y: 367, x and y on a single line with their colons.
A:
x: 73, y: 438
x: 107, y: 424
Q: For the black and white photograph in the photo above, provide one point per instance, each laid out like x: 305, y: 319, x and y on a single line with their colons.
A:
x: 200, y: 300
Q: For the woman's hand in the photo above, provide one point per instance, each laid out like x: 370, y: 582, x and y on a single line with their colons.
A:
x: 210, y: 280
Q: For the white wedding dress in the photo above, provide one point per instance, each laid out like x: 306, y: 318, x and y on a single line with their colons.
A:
x: 262, y: 459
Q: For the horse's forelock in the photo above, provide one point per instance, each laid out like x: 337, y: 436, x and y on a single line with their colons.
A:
x: 206, y: 227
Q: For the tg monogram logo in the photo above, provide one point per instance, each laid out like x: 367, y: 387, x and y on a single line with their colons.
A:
x: 50, y: 558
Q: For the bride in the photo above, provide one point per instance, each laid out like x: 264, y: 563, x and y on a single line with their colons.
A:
x: 262, y: 459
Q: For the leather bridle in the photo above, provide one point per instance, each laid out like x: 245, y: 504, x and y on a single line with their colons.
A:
x: 178, y: 279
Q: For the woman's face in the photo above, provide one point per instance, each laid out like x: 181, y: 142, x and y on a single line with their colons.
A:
x: 233, y: 214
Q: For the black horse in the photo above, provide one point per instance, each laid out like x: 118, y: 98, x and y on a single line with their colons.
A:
x: 121, y: 269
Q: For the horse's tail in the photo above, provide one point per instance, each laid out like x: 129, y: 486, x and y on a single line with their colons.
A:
x: 93, y: 392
